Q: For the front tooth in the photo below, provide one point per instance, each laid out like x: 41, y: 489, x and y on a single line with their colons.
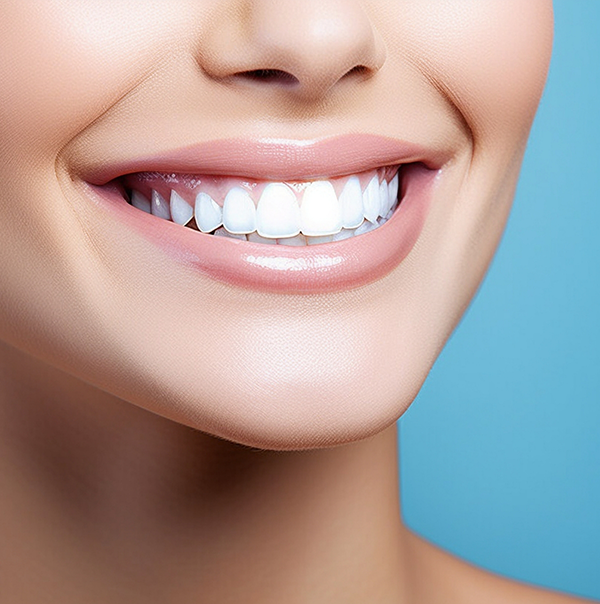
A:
x: 140, y: 202
x: 371, y: 200
x: 239, y: 211
x: 256, y: 238
x: 352, y: 204
x: 298, y: 240
x: 181, y: 210
x: 208, y: 213
x: 321, y: 212
x: 383, y: 198
x: 278, y: 214
x: 223, y: 232
x: 320, y: 239
x: 160, y: 207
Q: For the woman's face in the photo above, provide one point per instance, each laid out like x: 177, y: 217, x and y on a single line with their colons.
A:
x: 106, y: 108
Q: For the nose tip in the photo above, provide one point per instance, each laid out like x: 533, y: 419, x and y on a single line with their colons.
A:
x: 303, y: 46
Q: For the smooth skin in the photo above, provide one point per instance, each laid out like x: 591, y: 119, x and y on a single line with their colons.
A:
x: 168, y: 438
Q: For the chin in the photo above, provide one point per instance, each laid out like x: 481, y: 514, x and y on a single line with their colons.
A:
x: 274, y: 376
x: 292, y: 413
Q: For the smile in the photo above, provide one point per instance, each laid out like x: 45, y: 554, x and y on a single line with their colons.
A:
x: 285, y: 213
x: 311, y: 233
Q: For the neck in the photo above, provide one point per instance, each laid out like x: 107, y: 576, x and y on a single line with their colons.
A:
x: 107, y: 498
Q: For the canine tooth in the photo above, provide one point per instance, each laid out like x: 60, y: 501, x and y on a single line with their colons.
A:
x: 344, y: 234
x: 383, y: 198
x: 181, y: 210
x: 239, y: 212
x: 223, y: 232
x: 319, y: 239
x: 208, y: 213
x: 352, y: 204
x: 392, y: 193
x: 256, y: 238
x: 140, y: 202
x: 298, y: 240
x: 393, y: 190
x: 321, y: 212
x: 277, y: 214
x: 371, y: 199
x: 160, y: 207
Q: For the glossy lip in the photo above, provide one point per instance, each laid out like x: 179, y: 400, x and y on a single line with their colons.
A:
x: 277, y: 159
x: 327, y: 267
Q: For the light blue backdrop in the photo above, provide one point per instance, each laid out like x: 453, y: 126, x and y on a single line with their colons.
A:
x: 500, y: 453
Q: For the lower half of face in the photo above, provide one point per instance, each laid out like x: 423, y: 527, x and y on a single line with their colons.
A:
x: 260, y: 226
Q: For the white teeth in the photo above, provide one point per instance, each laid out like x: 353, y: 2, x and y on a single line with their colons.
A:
x: 181, y: 210
x: 390, y: 197
x: 383, y: 197
x: 295, y: 241
x: 394, y: 186
x: 208, y: 213
x: 160, y: 207
x: 365, y: 227
x: 392, y: 192
x: 352, y: 204
x: 371, y: 200
x: 317, y: 240
x: 222, y: 232
x: 239, y: 212
x: 140, y: 202
x: 310, y: 215
x: 321, y: 212
x: 256, y: 238
x: 278, y: 214
x: 344, y: 234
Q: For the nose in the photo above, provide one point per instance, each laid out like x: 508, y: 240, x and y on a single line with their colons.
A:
x: 305, y: 47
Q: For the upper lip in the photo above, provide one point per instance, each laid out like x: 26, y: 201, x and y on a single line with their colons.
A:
x: 277, y: 159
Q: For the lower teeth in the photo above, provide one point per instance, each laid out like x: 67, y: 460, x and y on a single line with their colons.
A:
x: 299, y: 240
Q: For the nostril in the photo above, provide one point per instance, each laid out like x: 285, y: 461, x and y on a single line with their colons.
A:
x: 273, y: 76
x: 359, y: 71
x: 279, y: 77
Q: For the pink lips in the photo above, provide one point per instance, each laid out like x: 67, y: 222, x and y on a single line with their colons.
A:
x: 328, y: 267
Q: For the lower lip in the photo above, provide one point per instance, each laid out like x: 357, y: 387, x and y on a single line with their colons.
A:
x: 324, y: 268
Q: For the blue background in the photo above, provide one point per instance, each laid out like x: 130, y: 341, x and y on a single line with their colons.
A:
x: 500, y: 454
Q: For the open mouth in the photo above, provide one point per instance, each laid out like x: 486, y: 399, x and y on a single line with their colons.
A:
x: 276, y: 215
x: 293, y: 213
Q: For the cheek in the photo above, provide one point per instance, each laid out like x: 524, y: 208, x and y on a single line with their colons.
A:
x: 488, y: 58
x: 69, y: 62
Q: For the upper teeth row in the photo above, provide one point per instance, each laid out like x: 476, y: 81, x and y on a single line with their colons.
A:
x: 278, y: 213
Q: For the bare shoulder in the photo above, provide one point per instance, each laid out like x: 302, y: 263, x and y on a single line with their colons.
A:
x: 441, y: 577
